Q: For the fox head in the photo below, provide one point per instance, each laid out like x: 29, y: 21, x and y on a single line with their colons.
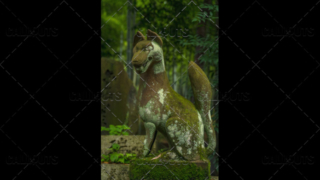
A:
x: 148, y: 53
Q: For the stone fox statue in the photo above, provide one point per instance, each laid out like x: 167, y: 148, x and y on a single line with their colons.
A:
x: 164, y: 110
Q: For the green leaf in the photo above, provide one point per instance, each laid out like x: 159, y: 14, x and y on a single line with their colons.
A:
x: 194, y: 19
x: 104, y: 129
x: 128, y: 155
x: 115, y: 146
x: 121, y: 160
x: 125, y: 133
x: 102, y: 160
x: 114, y: 157
x: 126, y: 127
x: 112, y: 128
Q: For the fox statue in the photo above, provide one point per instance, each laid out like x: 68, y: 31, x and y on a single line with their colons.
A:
x: 164, y: 110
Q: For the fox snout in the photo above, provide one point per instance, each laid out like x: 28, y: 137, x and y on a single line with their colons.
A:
x: 139, y: 61
x: 139, y: 58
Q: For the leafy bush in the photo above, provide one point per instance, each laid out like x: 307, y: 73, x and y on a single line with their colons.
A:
x: 116, y: 130
x: 116, y: 157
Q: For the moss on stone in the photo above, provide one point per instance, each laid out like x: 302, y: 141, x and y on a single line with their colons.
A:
x: 159, y: 169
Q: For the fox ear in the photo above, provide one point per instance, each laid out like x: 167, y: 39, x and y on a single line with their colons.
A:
x: 154, y: 36
x: 137, y: 38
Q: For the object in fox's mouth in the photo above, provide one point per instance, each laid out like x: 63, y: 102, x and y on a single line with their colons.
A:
x: 164, y: 110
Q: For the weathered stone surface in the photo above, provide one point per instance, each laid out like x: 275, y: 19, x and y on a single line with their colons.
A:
x: 118, y: 96
x: 115, y: 171
x: 128, y: 144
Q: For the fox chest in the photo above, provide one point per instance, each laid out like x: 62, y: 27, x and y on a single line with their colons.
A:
x: 151, y: 112
x: 154, y: 110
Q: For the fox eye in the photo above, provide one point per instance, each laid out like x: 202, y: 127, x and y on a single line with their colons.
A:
x: 148, y: 48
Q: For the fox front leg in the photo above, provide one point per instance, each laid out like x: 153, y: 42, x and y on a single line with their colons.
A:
x: 151, y: 133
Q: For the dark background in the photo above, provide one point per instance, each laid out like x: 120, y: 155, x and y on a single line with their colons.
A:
x: 268, y: 88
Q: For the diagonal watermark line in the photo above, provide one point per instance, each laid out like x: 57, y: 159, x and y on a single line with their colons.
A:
x: 264, y: 138
x: 241, y: 15
x: 288, y: 32
x: 294, y: 155
x: 256, y: 128
x: 15, y: 49
x: 31, y: 96
x: 88, y: 169
x: 306, y: 14
x: 64, y: 64
x: 256, y: 64
x: 25, y: 27
x: 25, y: 155
x: 45, y: 45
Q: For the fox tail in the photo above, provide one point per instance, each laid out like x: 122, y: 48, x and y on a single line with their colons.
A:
x: 202, y: 94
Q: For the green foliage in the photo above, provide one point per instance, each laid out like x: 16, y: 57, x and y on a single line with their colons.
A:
x: 116, y: 130
x: 113, y: 27
x: 116, y: 157
x: 203, y: 16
